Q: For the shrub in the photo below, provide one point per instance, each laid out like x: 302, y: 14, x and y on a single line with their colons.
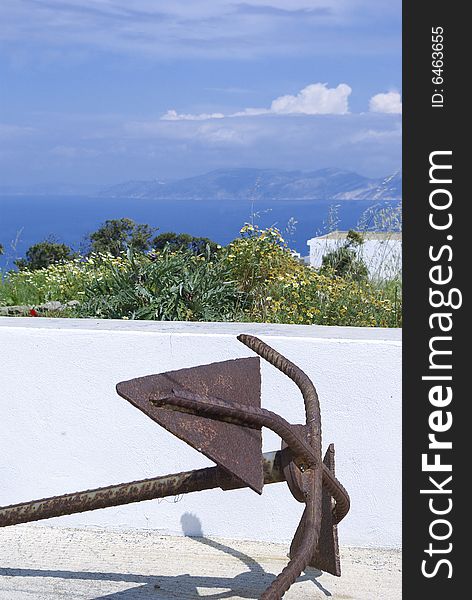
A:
x: 115, y: 236
x: 61, y: 282
x: 344, y: 261
x: 323, y: 300
x: 258, y: 257
x: 44, y: 254
x: 281, y: 289
x: 185, y: 241
x: 166, y: 286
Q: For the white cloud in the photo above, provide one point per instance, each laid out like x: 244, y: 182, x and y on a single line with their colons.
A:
x: 376, y: 135
x: 314, y: 99
x: 220, y: 135
x: 225, y: 132
x: 390, y: 103
x: 173, y: 115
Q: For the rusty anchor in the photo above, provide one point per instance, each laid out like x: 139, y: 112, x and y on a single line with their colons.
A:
x: 216, y: 409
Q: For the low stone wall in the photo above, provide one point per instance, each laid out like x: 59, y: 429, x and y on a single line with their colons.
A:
x: 46, y: 309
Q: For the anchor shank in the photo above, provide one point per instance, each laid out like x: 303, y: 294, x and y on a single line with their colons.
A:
x: 136, y: 491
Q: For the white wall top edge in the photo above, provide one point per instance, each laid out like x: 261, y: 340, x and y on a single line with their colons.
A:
x: 215, y: 328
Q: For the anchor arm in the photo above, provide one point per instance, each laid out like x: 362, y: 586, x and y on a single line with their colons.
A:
x: 312, y: 410
x: 135, y: 491
x: 310, y: 534
x: 215, y: 408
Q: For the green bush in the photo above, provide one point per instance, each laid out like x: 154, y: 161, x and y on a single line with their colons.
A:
x: 43, y: 254
x: 61, y: 281
x: 255, y: 278
x: 279, y: 288
x: 115, y: 236
x: 185, y: 241
x: 344, y: 261
x: 166, y: 286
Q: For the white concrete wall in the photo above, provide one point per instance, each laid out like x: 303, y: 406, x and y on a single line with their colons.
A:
x: 63, y: 428
x: 383, y: 258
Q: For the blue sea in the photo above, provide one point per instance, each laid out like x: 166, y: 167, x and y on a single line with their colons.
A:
x: 25, y: 220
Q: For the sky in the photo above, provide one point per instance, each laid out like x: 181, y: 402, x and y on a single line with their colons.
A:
x: 104, y: 91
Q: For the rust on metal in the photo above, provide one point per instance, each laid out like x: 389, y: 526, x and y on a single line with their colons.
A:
x: 220, y: 442
x: 217, y: 410
x: 237, y: 414
x: 136, y: 491
x: 293, y: 473
x: 325, y: 555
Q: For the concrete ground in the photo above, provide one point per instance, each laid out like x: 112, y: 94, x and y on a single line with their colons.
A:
x: 46, y: 563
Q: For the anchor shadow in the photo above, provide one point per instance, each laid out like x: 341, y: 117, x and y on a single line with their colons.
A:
x: 249, y: 584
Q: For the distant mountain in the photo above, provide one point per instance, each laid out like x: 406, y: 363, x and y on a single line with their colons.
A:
x: 389, y: 188
x: 264, y: 184
x: 133, y: 189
